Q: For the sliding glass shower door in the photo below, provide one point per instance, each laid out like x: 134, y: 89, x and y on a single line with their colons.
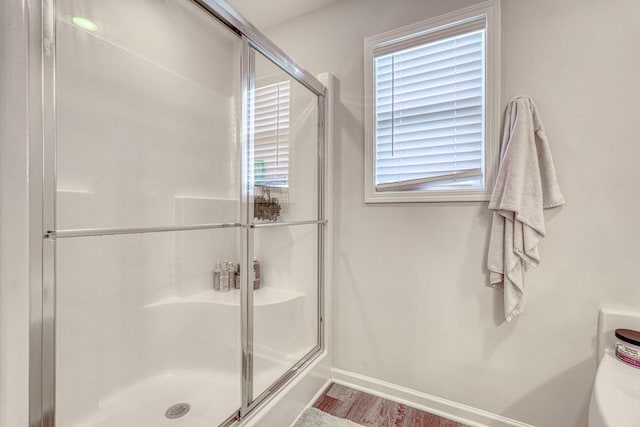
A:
x: 147, y: 105
x: 184, y: 188
x: 286, y: 220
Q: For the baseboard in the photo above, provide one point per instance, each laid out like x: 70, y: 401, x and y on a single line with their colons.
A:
x: 464, y: 414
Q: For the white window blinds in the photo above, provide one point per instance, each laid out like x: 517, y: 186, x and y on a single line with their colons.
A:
x: 271, y: 134
x: 429, y: 110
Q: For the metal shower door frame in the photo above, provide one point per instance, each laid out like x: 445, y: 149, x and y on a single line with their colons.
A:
x: 41, y: 27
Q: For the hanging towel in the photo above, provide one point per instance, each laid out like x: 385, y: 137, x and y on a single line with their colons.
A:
x: 525, y: 186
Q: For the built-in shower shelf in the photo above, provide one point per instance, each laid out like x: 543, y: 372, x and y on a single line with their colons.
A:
x: 265, y: 296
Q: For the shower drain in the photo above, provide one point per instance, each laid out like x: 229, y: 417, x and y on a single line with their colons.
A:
x: 178, y: 410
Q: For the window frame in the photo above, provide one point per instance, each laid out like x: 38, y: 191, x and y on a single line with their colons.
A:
x: 490, y: 10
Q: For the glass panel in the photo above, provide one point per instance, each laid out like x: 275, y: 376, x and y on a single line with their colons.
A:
x: 284, y: 146
x: 139, y: 329
x: 285, y: 314
x: 147, y: 101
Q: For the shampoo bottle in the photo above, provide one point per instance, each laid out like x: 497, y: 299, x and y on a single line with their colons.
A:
x: 216, y: 277
x: 256, y: 274
x: 236, y: 276
x: 224, y: 277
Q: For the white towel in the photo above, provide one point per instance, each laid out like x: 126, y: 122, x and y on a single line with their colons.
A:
x: 526, y: 184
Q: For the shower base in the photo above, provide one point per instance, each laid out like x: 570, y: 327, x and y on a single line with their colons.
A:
x: 211, y: 396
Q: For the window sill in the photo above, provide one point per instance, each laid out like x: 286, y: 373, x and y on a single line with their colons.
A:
x: 427, y: 197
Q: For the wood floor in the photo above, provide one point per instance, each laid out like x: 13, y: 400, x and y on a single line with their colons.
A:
x: 373, y: 411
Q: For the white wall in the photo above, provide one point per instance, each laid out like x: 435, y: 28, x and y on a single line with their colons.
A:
x: 411, y: 305
x: 14, y: 217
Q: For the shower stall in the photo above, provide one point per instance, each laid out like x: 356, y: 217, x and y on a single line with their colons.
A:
x: 181, y: 258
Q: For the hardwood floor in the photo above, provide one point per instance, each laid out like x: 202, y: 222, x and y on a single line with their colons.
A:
x: 373, y: 411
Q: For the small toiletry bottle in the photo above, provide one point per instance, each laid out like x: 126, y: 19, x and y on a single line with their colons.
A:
x: 216, y: 277
x: 236, y: 281
x: 224, y: 277
x: 256, y: 274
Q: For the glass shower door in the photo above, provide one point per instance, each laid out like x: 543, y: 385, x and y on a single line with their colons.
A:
x: 173, y: 167
x: 147, y: 178
x: 285, y: 222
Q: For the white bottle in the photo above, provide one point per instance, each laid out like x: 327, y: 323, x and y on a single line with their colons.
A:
x: 225, y: 276
x: 256, y: 273
x: 216, y: 277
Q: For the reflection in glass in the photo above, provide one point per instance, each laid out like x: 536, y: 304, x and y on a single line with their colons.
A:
x: 284, y: 146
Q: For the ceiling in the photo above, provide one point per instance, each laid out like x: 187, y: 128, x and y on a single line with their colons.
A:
x: 268, y: 13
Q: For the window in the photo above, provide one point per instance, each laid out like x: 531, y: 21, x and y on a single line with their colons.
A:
x: 431, y: 96
x: 271, y: 137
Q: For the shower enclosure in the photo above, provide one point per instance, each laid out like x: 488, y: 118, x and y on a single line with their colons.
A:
x: 179, y: 144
